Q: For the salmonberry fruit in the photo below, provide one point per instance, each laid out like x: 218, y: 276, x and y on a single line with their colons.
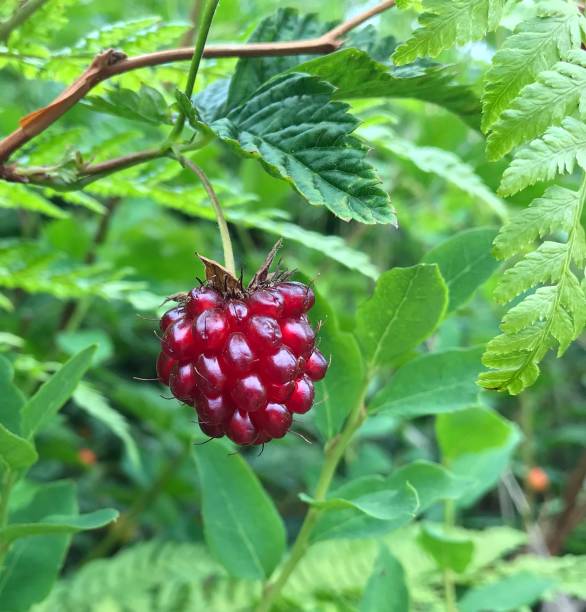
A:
x: 245, y: 358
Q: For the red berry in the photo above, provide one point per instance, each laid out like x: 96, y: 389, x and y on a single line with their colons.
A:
x: 213, y: 410
x: 164, y: 366
x: 266, y: 302
x: 209, y: 375
x: 280, y: 367
x: 237, y: 313
x: 298, y: 336
x: 249, y: 393
x: 264, y: 334
x: 244, y: 358
x: 237, y: 355
x: 182, y: 382
x: 171, y: 316
x: 274, y: 420
x: 240, y: 429
x: 202, y: 299
x: 178, y: 341
x: 211, y: 330
x: 297, y: 298
x: 316, y: 365
x: 301, y: 399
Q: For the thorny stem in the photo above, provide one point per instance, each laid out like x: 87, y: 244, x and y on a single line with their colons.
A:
x: 200, y: 41
x: 19, y: 17
x: 334, y: 453
x: 221, y: 219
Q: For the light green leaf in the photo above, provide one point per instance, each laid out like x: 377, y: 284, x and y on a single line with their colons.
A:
x: 16, y: 452
x: 450, y: 550
x: 431, y: 384
x: 446, y: 23
x: 386, y: 588
x: 47, y: 401
x: 405, y: 308
x: 465, y: 262
x: 444, y: 164
x: 342, y: 388
x: 95, y: 404
x: 556, y: 93
x: 292, y: 126
x: 556, y: 152
x: 511, y: 593
x: 21, y: 197
x: 536, y: 45
x: 241, y: 525
x: 56, y: 524
x: 5, y: 303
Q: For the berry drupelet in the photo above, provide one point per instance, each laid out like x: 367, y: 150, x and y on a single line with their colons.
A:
x: 245, y: 358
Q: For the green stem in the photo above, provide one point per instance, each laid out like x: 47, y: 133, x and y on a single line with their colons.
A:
x: 221, y: 219
x: 19, y: 17
x: 334, y: 453
x: 449, y: 588
x: 200, y: 41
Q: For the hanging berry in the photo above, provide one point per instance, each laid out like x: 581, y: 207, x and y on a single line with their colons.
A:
x: 245, y: 358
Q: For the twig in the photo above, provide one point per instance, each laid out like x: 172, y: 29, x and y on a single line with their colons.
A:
x: 111, y: 63
x: 19, y: 17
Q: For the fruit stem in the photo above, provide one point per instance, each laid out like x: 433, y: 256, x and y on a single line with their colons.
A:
x: 221, y: 219
x: 333, y: 455
x: 200, y: 41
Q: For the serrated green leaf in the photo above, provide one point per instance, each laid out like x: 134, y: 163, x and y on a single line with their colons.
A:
x: 21, y: 197
x: 405, y: 308
x: 446, y: 23
x: 241, y: 525
x: 57, y: 524
x: 439, y: 382
x: 556, y: 152
x: 466, y: 262
x: 300, y: 135
x: 46, y: 402
x: 535, y: 46
x: 556, y: 93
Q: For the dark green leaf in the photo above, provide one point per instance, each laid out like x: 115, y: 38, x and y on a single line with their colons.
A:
x: 242, y: 526
x: 405, y: 308
x: 430, y: 384
x: 292, y: 126
x: 386, y: 588
x: 12, y: 399
x: 47, y: 401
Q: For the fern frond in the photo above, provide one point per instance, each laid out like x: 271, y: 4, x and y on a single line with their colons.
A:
x: 556, y: 94
x: 535, y: 46
x: 446, y: 23
x: 557, y: 152
x: 555, y: 314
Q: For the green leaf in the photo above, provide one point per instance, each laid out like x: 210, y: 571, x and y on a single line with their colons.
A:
x: 95, y: 404
x: 5, y: 303
x: 511, y: 593
x: 476, y: 443
x: 432, y: 481
x: 446, y: 23
x: 21, y: 197
x: 47, y: 401
x: 386, y: 588
x: 556, y: 152
x: 365, y: 507
x: 444, y: 164
x: 292, y: 126
x: 556, y: 93
x: 16, y: 452
x: 32, y: 564
x: 406, y: 307
x: 58, y: 524
x: 241, y: 525
x: 355, y: 74
x: 450, y: 550
x: 342, y: 388
x: 466, y: 262
x: 12, y: 399
x: 285, y: 25
x: 431, y: 384
x: 536, y: 45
